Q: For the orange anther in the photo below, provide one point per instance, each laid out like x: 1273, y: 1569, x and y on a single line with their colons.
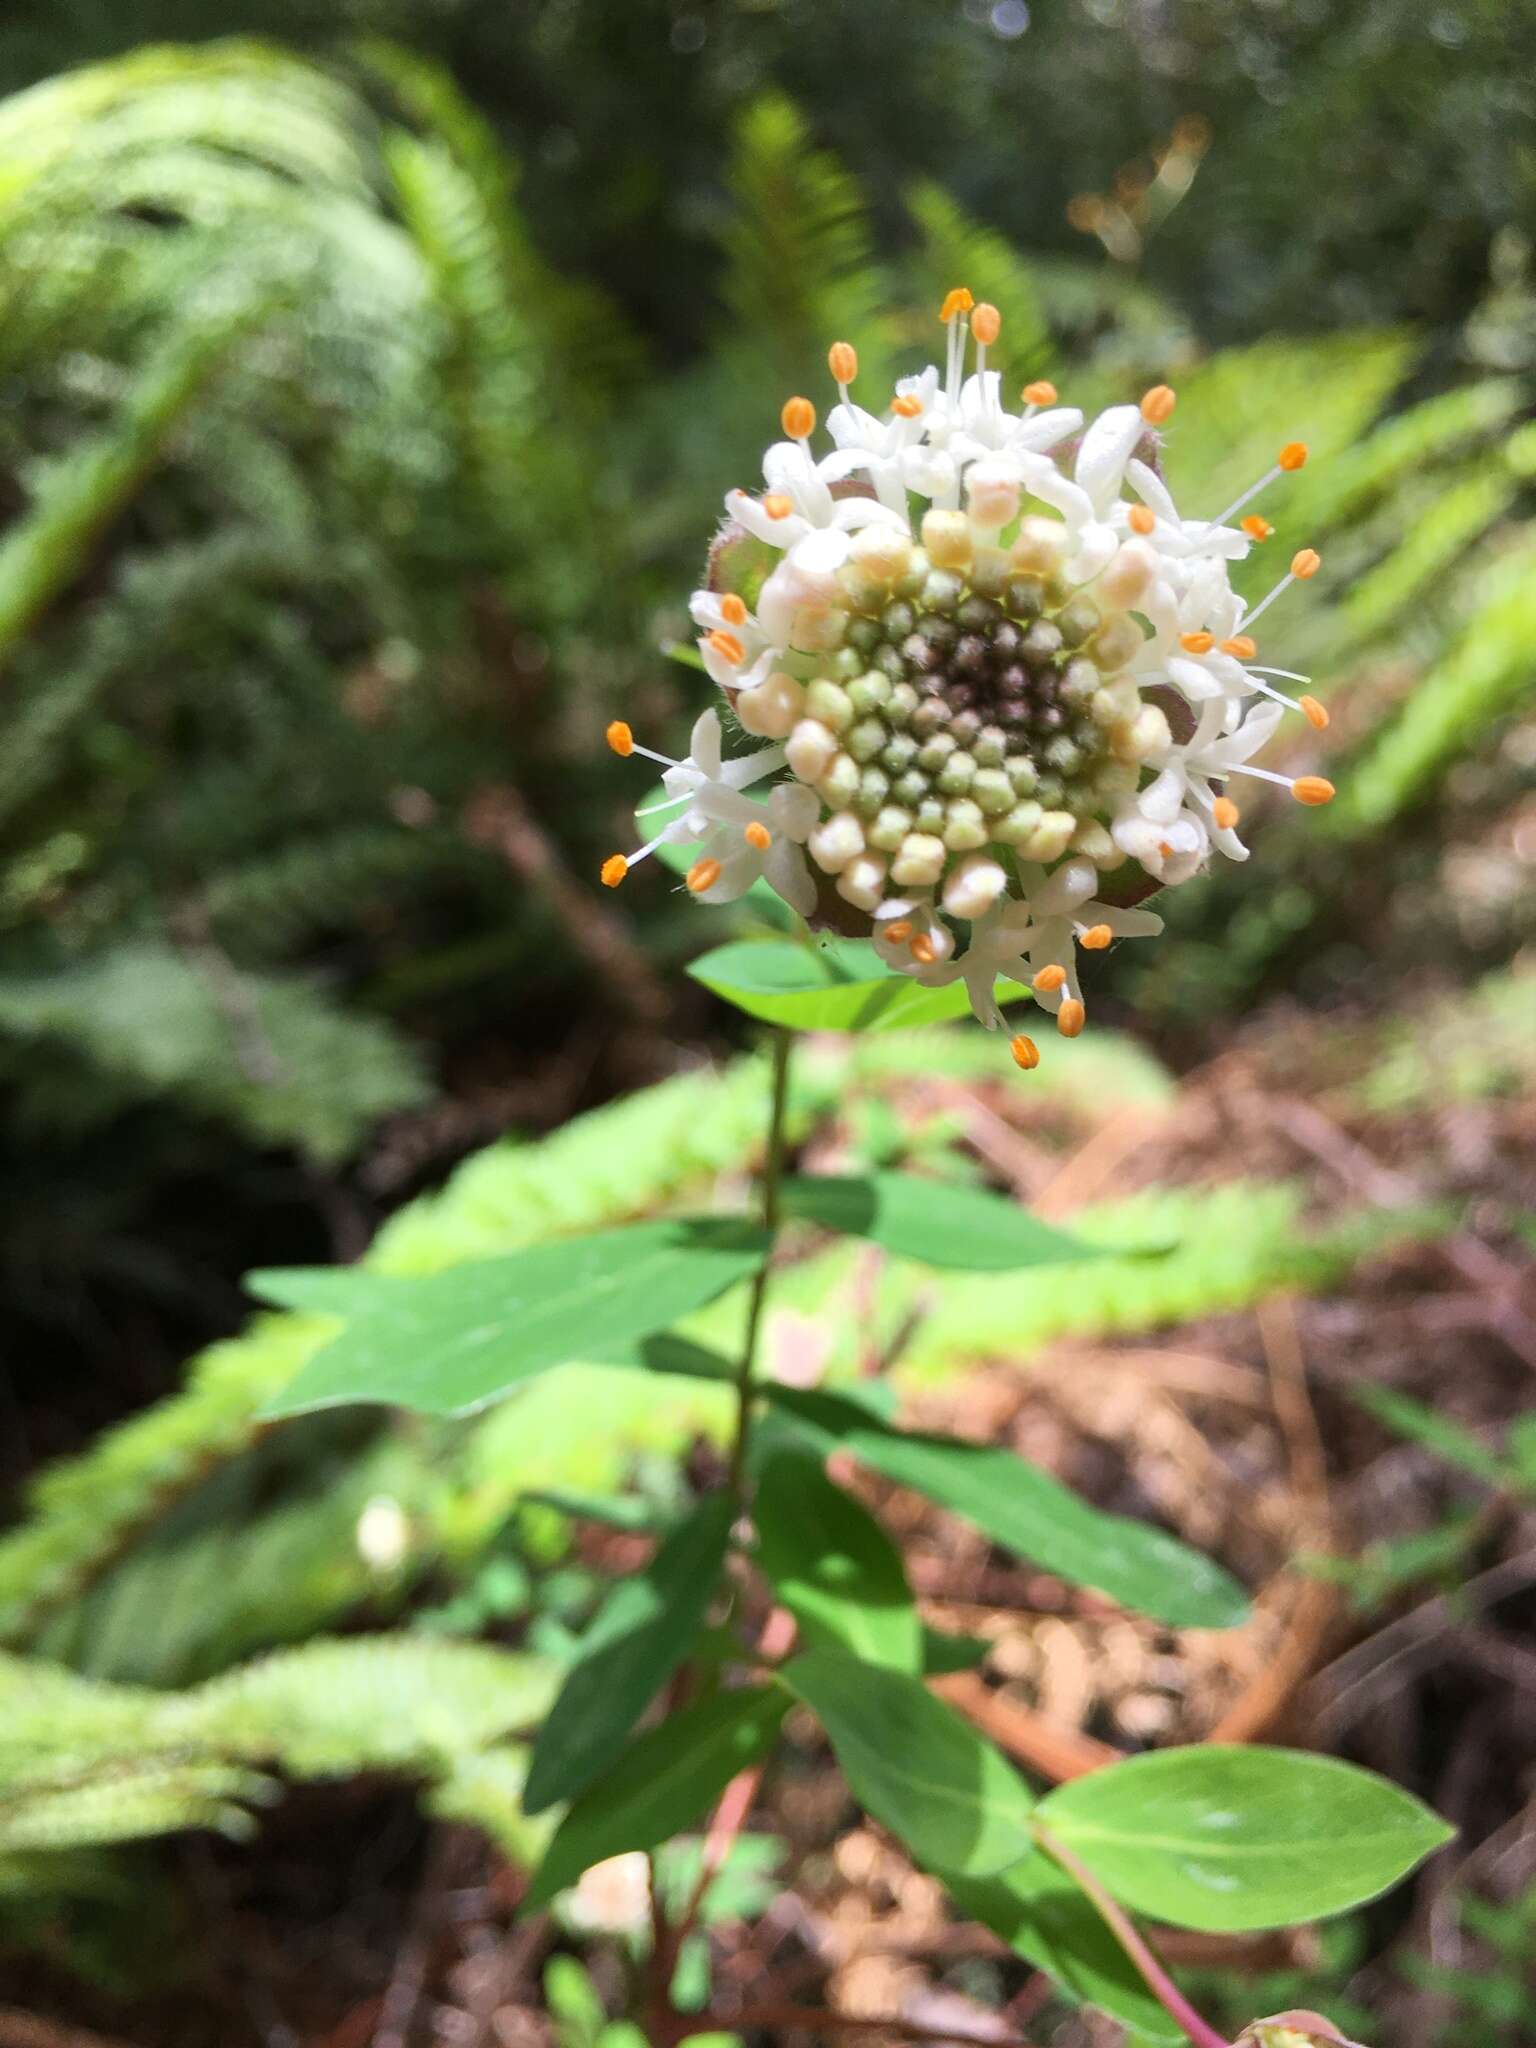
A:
x: 1049, y: 979
x: 1142, y: 518
x: 897, y: 932
x: 757, y: 835
x: 1096, y: 938
x: 1197, y: 643
x: 957, y: 301
x: 621, y: 739
x: 1026, y: 1053
x: 923, y: 950
x: 732, y: 610
x: 1240, y: 647
x: 843, y: 361
x: 1312, y: 790
x: 798, y: 418
x: 614, y: 869
x: 1041, y: 392
x: 1306, y: 563
x: 1071, y: 1018
x: 777, y: 505
x: 1257, y: 527
x: 1158, y: 403
x: 986, y: 324
x: 905, y: 406
x: 1314, y: 713
x: 703, y: 875
x: 727, y: 646
x: 1292, y: 455
x: 1225, y: 812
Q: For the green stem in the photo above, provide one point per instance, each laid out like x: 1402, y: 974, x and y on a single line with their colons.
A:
x: 1123, y: 1928
x: 773, y: 1173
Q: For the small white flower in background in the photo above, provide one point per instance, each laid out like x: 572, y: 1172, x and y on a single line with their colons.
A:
x: 996, y: 666
x: 613, y: 1897
x: 383, y: 1534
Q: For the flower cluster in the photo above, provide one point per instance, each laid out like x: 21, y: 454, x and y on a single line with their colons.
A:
x: 1007, y: 684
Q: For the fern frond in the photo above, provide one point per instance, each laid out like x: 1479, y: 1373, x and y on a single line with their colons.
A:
x: 954, y: 247
x: 1435, y: 536
x: 1239, y: 407
x: 801, y: 270
x: 82, y: 1762
x: 137, y: 1796
x: 271, y: 1056
x: 1482, y: 676
x: 72, y: 504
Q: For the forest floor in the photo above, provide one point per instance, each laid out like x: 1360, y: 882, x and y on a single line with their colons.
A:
x: 348, y: 1922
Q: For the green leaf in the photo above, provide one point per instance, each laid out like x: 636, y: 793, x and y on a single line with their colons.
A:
x: 1042, y: 1915
x: 833, y: 1566
x: 1224, y: 1838
x: 662, y: 1783
x: 573, y: 2002
x: 460, y: 1339
x: 1423, y: 1425
x: 943, y: 1652
x: 915, y: 1765
x: 642, y: 1632
x: 840, y: 986
x: 939, y: 1222
x: 1026, y: 1510
x: 678, y: 1356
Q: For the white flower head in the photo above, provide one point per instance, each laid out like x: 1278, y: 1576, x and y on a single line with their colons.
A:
x: 995, y: 662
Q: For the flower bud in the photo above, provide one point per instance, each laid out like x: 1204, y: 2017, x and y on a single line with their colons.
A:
x: 811, y: 750
x: 836, y: 841
x: 974, y: 886
x: 1039, y: 546
x: 771, y: 709
x: 862, y: 881
x: 947, y: 539
x: 919, y: 861
x: 992, y: 495
x: 1131, y: 569
x: 883, y: 552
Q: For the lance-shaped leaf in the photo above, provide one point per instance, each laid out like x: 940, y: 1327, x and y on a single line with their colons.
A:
x: 456, y: 1340
x: 640, y: 1635
x: 1026, y: 1510
x: 915, y: 1765
x: 833, y: 1566
x: 1226, y: 1838
x: 1042, y: 1915
x: 940, y: 1222
x: 662, y: 1783
x: 840, y: 986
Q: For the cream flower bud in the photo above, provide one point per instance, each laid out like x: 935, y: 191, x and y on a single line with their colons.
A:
x: 772, y: 708
x: 1050, y: 837
x: 836, y: 841
x: 862, y: 881
x: 1040, y: 545
x: 974, y: 886
x: 1117, y: 641
x: 1141, y: 736
x: 992, y: 495
x: 811, y: 750
x: 1131, y: 569
x: 882, y: 552
x: 919, y: 861
x: 948, y: 539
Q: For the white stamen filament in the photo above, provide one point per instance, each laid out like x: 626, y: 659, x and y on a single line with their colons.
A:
x: 1264, y: 603
x: 1249, y: 495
